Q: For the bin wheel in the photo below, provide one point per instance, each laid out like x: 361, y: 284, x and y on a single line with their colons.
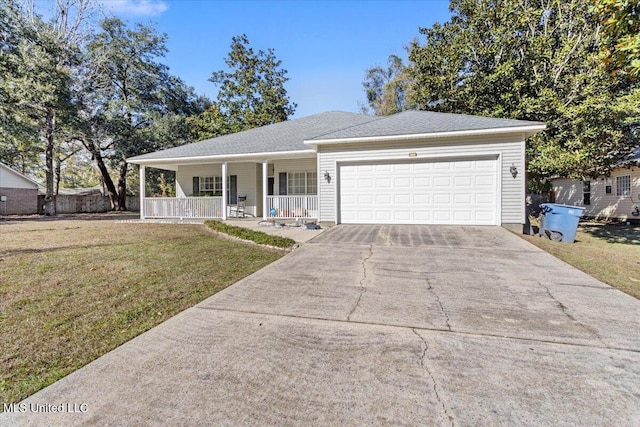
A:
x: 556, y: 236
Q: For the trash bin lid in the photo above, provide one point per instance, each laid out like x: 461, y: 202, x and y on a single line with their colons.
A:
x: 556, y: 208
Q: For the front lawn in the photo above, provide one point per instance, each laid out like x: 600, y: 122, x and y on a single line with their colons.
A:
x: 73, y: 289
x: 608, y: 252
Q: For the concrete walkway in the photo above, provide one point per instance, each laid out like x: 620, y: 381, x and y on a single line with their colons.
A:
x: 377, y: 325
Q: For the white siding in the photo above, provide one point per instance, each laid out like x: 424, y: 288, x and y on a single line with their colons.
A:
x: 247, y: 180
x: 603, y: 205
x: 509, y: 149
x: 11, y: 179
x: 291, y: 165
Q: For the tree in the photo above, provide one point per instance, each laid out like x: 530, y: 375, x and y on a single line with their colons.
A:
x: 19, y: 137
x: 620, y: 20
x: 251, y: 92
x: 130, y: 101
x: 386, y: 88
x: 534, y: 61
x: 40, y: 59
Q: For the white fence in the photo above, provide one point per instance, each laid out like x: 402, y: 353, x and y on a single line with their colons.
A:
x: 292, y: 206
x: 183, y: 207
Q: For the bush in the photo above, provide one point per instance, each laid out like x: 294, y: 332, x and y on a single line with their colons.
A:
x: 255, y: 236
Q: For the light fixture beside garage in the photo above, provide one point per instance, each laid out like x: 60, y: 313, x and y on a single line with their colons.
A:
x: 327, y: 177
x: 413, y: 154
x: 514, y: 170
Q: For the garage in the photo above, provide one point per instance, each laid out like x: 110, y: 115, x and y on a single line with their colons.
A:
x: 452, y: 191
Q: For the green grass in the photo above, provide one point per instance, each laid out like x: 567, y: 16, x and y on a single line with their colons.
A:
x: 72, y: 290
x: 608, y: 252
x: 251, y: 235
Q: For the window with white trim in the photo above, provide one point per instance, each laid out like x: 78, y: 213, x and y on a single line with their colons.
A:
x: 586, y: 193
x: 302, y: 183
x: 608, y: 183
x: 211, y: 185
x: 623, y: 186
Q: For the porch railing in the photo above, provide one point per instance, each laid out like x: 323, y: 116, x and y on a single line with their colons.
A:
x: 292, y: 206
x: 183, y: 207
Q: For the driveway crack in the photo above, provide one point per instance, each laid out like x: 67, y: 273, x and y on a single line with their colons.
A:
x: 363, y: 287
x: 424, y: 366
x: 435, y: 294
x: 564, y: 310
x: 385, y: 233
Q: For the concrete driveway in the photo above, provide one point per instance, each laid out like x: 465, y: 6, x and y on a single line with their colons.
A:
x: 378, y: 325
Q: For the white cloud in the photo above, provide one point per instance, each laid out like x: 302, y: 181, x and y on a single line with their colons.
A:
x: 136, y: 7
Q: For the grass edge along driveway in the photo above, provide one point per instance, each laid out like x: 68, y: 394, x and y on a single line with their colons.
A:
x: 608, y: 252
x: 72, y: 290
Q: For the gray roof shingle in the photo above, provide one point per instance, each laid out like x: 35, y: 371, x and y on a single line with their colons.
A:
x: 290, y: 135
x: 278, y: 137
x: 424, y: 122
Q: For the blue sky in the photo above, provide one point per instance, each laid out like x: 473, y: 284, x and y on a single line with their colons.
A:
x: 325, y: 45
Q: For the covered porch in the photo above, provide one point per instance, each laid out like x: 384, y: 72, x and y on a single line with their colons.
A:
x: 269, y: 189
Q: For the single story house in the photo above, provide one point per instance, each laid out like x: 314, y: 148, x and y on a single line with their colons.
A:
x: 415, y: 167
x: 18, y: 193
x: 616, y: 196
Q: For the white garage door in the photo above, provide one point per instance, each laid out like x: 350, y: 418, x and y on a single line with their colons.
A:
x: 460, y: 192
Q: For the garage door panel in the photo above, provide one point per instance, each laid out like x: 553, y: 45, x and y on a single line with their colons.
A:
x: 421, y: 199
x: 383, y: 183
x: 463, y: 181
x: 442, y: 192
x: 384, y: 167
x: 463, y: 198
x: 365, y: 199
x: 402, y: 182
x: 364, y: 183
x: 442, y: 199
x: 384, y: 215
x: 402, y: 199
x: 422, y: 182
x: 485, y: 181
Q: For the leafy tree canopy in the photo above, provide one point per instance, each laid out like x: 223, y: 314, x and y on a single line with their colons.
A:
x: 251, y: 92
x: 621, y: 24
x: 536, y: 60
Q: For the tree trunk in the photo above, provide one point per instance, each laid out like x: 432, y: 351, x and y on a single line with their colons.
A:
x: 49, y: 198
x: 104, y: 172
x: 58, y: 171
x: 122, y: 185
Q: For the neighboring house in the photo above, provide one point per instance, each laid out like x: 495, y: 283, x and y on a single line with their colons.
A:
x: 18, y: 193
x: 414, y: 167
x: 614, y: 197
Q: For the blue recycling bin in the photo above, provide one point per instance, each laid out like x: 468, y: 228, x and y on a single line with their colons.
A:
x: 560, y: 222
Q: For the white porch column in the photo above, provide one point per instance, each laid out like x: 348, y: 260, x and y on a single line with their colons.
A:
x: 265, y: 180
x: 224, y: 191
x: 142, y: 191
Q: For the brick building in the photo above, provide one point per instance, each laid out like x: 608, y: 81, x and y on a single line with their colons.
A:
x: 18, y: 193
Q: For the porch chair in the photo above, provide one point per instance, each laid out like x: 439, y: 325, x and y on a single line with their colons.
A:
x: 240, y: 206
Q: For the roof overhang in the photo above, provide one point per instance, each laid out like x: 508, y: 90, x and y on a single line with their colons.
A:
x: 527, y: 131
x: 173, y: 163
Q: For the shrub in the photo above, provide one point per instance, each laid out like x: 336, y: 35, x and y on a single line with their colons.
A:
x: 255, y: 236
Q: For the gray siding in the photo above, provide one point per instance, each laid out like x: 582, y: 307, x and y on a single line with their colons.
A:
x: 510, y: 149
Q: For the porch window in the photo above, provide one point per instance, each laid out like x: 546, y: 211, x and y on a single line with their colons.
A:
x: 212, y: 186
x: 586, y: 193
x: 623, y: 186
x: 302, y: 183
